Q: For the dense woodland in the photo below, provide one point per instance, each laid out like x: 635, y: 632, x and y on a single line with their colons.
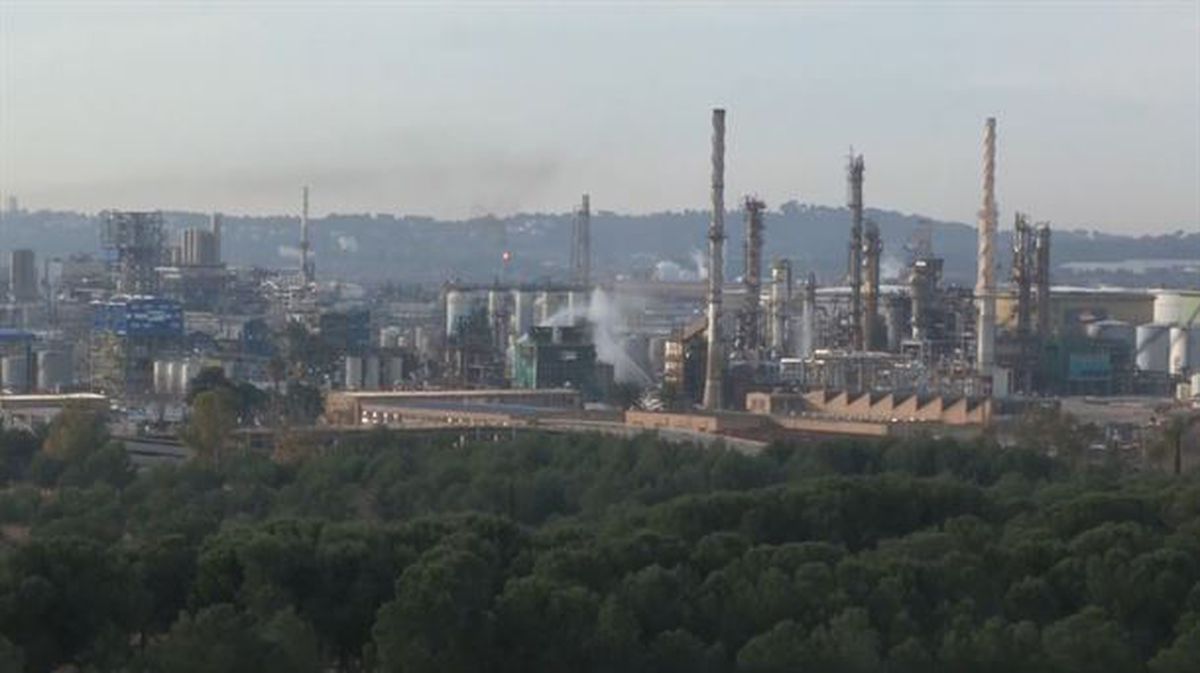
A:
x: 579, y: 553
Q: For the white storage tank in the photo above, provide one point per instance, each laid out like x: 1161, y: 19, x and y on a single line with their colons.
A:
x: 1153, y: 347
x: 389, y: 337
x: 1178, y: 353
x: 457, y: 309
x: 1196, y: 386
x: 522, y: 315
x: 15, y: 377
x: 1113, y: 330
x: 53, y: 370
x: 187, y: 371
x: 1176, y: 307
x: 162, y: 377
x: 354, y: 372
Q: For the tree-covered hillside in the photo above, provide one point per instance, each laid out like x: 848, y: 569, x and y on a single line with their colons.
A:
x: 580, y: 553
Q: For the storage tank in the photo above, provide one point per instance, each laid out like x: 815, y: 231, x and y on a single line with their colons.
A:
x: 162, y: 376
x: 1196, y: 386
x: 53, y: 370
x: 354, y: 372
x: 395, y: 375
x: 15, y: 377
x: 1153, y: 347
x: 187, y: 370
x: 1176, y: 307
x: 389, y: 337
x: 1113, y: 330
x: 522, y: 315
x: 1177, y: 355
x: 371, y: 373
x: 457, y: 310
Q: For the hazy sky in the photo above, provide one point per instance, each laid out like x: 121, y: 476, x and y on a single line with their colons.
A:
x: 455, y: 110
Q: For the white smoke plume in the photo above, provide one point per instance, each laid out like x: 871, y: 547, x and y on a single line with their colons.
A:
x: 607, y: 317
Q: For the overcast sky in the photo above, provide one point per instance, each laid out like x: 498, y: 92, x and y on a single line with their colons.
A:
x: 465, y: 109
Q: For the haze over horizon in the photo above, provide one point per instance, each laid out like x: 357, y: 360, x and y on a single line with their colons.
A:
x: 434, y: 110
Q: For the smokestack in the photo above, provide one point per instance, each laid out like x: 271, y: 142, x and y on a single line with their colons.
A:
x: 581, y: 244
x: 985, y: 285
x: 306, y: 269
x: 749, y: 340
x: 854, y: 178
x: 215, y: 221
x: 714, y: 367
x: 872, y: 251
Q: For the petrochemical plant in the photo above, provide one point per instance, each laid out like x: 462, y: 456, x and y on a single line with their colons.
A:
x: 744, y: 355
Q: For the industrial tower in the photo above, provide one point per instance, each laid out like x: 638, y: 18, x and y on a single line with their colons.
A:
x: 581, y: 244
x: 307, y: 270
x: 749, y: 324
x: 985, y: 285
x: 854, y: 179
x: 715, y: 362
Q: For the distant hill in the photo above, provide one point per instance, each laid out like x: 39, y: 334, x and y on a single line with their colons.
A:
x: 373, y: 248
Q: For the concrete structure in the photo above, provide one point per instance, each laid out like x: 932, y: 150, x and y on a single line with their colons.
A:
x: 581, y: 243
x: 715, y: 363
x: 875, y: 407
x: 29, y: 411
x: 359, y: 408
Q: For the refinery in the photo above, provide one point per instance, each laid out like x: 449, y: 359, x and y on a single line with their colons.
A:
x: 743, y: 353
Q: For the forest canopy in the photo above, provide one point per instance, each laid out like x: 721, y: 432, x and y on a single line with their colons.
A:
x: 587, y: 553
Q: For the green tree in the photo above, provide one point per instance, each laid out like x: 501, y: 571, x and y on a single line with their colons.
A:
x: 74, y: 433
x: 213, y: 419
x: 1088, y: 642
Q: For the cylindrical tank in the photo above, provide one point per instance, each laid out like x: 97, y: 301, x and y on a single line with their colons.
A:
x: 162, y: 382
x: 53, y: 370
x: 522, y: 315
x: 395, y: 368
x: 389, y: 337
x: 1153, y: 347
x: 15, y: 377
x: 1175, y: 307
x: 371, y: 373
x: 577, y: 306
x: 1113, y: 330
x: 354, y: 372
x: 185, y: 370
x: 1177, y: 354
x: 1196, y: 385
x: 457, y: 310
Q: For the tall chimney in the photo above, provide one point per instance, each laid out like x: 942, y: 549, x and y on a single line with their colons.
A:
x: 581, y: 244
x: 854, y: 179
x: 215, y: 222
x: 715, y: 365
x: 306, y: 269
x: 985, y: 284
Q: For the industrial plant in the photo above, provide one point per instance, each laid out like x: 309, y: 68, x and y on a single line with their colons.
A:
x: 748, y: 354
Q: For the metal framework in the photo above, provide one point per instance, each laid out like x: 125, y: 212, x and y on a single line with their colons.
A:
x: 872, y: 250
x: 749, y: 336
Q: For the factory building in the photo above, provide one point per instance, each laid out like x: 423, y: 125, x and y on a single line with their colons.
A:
x: 559, y: 357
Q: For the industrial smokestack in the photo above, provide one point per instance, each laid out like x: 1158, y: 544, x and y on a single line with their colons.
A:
x: 749, y: 323
x: 854, y: 179
x: 581, y: 244
x: 715, y: 365
x: 215, y: 221
x: 306, y: 268
x: 985, y: 285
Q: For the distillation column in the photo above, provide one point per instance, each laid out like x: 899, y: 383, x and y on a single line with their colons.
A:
x: 872, y: 251
x: 854, y: 177
x: 749, y: 324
